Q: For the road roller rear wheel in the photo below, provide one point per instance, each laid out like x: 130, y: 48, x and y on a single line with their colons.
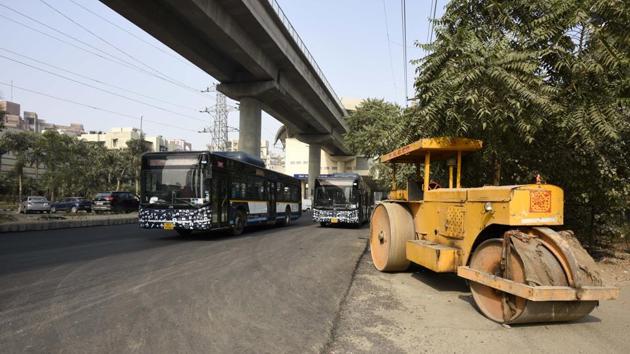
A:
x: 537, y: 263
x: 390, y: 228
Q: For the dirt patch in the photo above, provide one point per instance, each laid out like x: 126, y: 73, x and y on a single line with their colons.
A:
x: 613, y: 262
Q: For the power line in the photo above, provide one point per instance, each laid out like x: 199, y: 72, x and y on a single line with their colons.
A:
x: 96, y: 80
x: 105, y: 55
x: 93, y: 107
x: 109, y: 43
x: 389, y: 48
x: 404, y: 34
x: 128, y: 32
x: 101, y: 89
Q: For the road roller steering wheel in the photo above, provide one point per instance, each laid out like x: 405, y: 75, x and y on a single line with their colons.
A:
x: 434, y: 185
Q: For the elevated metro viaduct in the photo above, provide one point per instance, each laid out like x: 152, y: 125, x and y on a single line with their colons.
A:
x: 252, y: 49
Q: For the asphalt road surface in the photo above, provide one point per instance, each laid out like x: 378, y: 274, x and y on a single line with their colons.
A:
x: 123, y: 289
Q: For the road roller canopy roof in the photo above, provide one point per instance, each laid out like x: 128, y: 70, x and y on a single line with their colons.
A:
x: 440, y: 149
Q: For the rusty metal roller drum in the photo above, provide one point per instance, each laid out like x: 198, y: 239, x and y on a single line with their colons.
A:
x: 536, y: 257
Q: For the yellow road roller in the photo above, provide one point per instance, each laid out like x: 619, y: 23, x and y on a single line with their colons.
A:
x: 505, y: 240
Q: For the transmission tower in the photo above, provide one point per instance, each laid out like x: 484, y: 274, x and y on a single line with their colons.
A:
x: 219, y: 129
x: 219, y: 137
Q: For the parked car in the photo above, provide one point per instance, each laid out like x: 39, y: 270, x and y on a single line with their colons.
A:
x: 34, y: 204
x: 71, y: 204
x: 116, y: 202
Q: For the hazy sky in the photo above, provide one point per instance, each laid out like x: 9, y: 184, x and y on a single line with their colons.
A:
x: 348, y: 38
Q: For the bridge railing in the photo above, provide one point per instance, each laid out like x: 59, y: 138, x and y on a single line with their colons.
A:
x: 296, y: 37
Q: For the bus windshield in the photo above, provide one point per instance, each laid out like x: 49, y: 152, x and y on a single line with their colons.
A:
x: 334, y: 193
x: 172, y: 180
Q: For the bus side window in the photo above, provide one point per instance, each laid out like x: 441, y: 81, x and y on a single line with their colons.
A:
x: 286, y: 194
x: 279, y: 189
x: 261, y: 190
x: 294, y: 193
x: 238, y: 188
x: 259, y: 187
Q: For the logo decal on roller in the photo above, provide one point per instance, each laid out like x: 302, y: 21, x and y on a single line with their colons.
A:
x: 540, y: 201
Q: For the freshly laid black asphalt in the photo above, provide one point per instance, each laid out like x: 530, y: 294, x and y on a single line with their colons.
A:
x: 122, y: 289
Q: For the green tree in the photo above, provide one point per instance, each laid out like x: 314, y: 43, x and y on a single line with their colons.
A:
x: 135, y: 149
x: 19, y: 144
x: 59, y: 157
x: 369, y: 124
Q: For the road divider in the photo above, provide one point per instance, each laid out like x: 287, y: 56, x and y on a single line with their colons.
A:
x: 54, y: 224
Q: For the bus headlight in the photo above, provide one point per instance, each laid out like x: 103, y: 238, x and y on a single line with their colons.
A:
x: 354, y: 206
x: 153, y: 200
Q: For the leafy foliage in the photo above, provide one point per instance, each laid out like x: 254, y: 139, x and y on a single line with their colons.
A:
x: 69, y: 166
x: 546, y: 85
x: 368, y: 126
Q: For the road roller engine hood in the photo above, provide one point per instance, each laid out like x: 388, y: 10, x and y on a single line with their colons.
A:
x: 531, y: 204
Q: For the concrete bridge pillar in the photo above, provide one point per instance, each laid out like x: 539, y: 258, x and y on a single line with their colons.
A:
x: 314, y: 166
x: 249, y: 126
x: 341, y: 166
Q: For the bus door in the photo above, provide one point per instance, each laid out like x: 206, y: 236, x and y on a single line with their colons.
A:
x: 271, y: 201
x: 220, y: 202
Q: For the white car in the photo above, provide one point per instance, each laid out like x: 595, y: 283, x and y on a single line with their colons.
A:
x: 34, y: 203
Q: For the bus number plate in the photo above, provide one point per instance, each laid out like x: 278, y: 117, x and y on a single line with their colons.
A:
x: 334, y: 220
x: 169, y: 226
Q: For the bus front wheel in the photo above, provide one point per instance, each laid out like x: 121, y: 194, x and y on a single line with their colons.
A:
x: 239, y: 223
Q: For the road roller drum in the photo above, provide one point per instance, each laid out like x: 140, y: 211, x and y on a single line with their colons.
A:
x: 391, y: 226
x: 525, y: 258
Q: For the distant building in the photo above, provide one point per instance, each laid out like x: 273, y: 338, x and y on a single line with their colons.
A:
x: 12, y: 119
x: 178, y: 145
x: 117, y: 138
x: 31, y: 121
x: 73, y: 129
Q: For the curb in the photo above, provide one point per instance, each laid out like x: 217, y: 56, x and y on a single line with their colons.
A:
x: 64, y: 224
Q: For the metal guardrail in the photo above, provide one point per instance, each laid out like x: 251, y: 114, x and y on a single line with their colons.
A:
x: 298, y: 40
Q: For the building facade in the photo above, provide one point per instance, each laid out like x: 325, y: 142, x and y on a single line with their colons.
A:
x: 178, y: 145
x: 117, y: 138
